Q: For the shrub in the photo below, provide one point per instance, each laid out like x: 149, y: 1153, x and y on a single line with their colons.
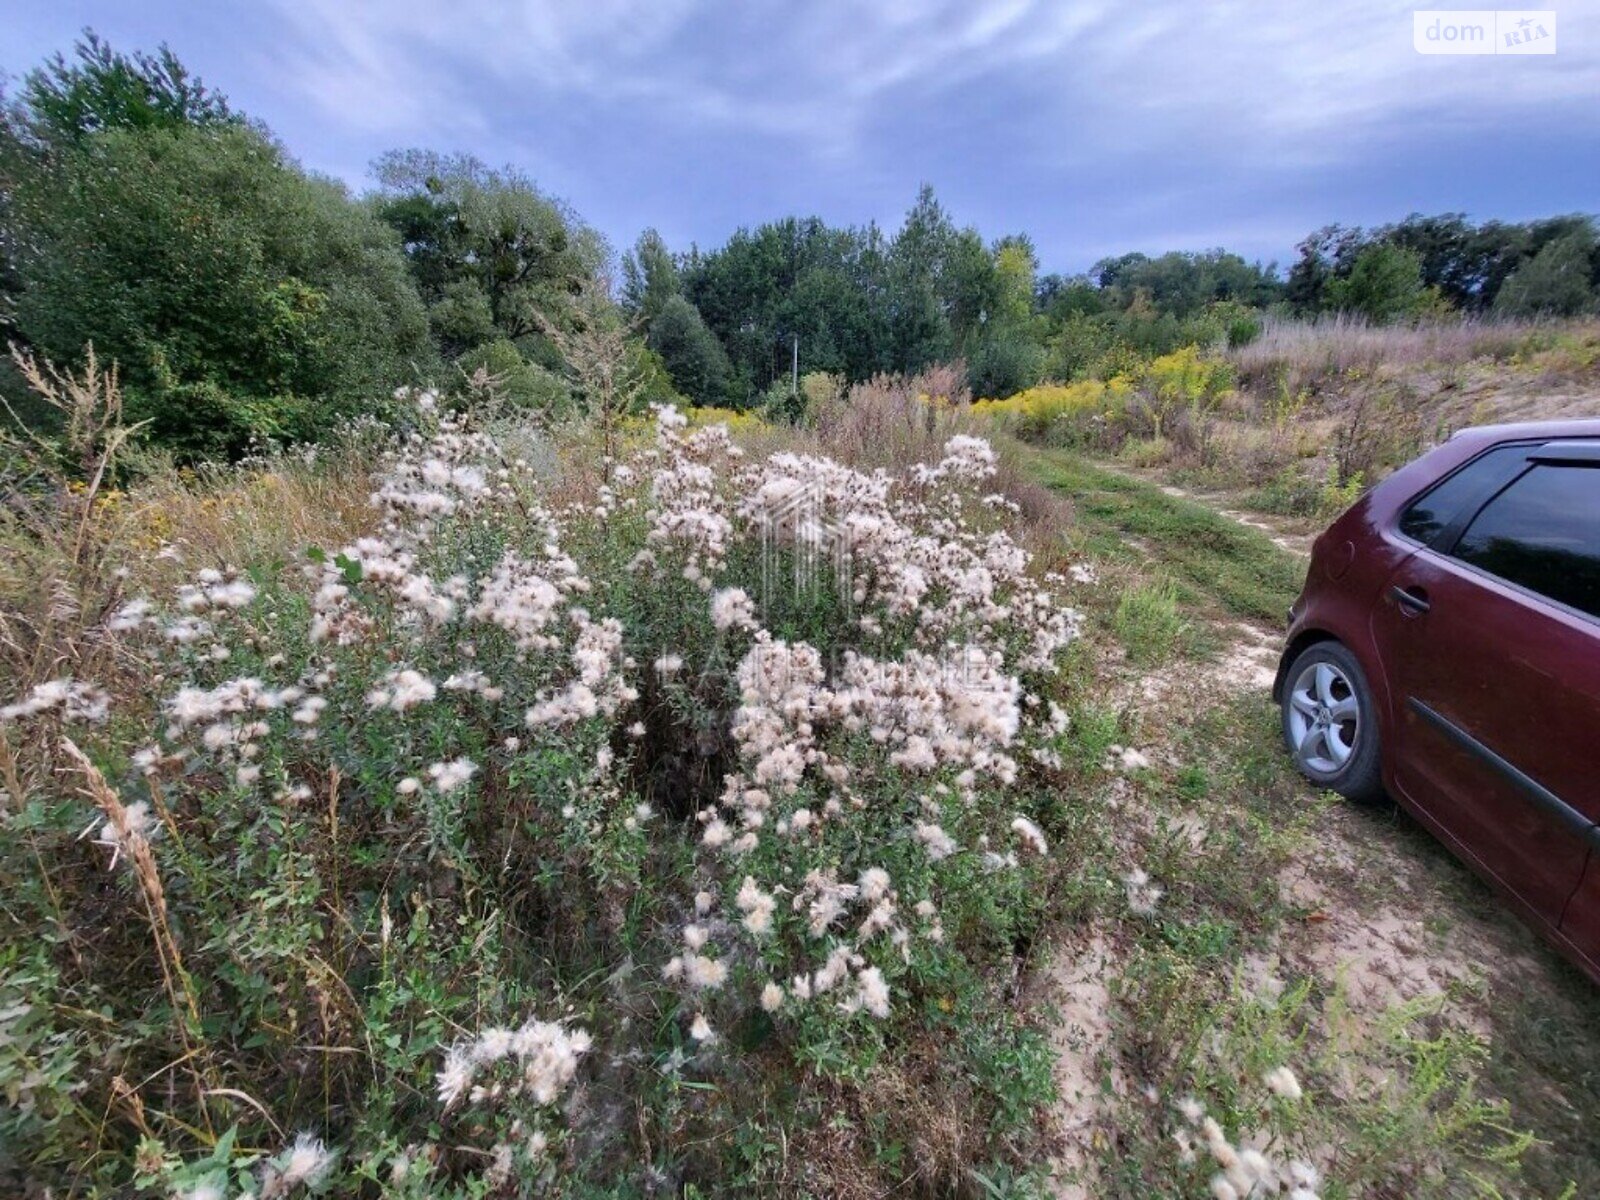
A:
x: 1001, y: 365
x: 1061, y: 414
x: 1243, y: 325
x: 532, y: 838
x: 780, y: 404
x: 1101, y: 414
x: 527, y: 385
x: 1381, y: 430
x: 221, y: 279
x: 1384, y: 284
x: 1185, y: 379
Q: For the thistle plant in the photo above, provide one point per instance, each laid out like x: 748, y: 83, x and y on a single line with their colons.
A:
x: 533, y: 797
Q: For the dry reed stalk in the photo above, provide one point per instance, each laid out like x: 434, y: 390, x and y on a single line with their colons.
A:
x: 130, y: 840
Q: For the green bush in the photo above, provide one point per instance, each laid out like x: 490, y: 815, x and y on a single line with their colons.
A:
x: 214, y: 272
x: 1384, y: 285
x: 1003, y: 366
x: 527, y: 385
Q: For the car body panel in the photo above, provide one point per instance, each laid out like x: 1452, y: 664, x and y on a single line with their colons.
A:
x: 1487, y: 694
x: 1488, y: 702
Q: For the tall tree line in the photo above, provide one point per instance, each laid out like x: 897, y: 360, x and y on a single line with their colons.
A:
x: 245, y: 298
x: 1548, y: 267
x: 858, y: 300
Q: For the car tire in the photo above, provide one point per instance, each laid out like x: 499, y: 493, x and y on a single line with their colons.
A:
x: 1330, y: 722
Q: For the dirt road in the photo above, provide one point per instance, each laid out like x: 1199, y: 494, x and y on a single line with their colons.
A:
x: 1420, y: 1001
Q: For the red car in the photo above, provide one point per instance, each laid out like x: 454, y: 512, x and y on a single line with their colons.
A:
x: 1446, y: 650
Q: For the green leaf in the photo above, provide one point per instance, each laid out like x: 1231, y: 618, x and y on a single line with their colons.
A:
x: 350, y: 568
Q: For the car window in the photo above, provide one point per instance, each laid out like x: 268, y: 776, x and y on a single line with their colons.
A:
x: 1543, y: 532
x: 1457, y: 496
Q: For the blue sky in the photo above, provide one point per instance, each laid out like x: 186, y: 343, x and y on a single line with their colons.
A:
x: 1095, y: 127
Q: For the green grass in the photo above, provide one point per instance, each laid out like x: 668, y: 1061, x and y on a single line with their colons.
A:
x: 1148, y: 623
x: 1217, y: 561
x: 1545, y: 1059
x: 1223, y: 822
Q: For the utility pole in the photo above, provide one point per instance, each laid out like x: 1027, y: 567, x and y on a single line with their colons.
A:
x: 794, y: 369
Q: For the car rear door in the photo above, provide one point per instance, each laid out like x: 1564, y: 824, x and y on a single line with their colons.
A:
x: 1490, y: 635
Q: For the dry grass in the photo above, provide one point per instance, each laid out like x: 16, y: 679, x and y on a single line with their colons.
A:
x: 1324, y: 409
x: 1312, y: 354
x: 895, y: 421
x: 58, y: 574
x: 892, y: 421
x: 270, y: 508
x: 77, y: 540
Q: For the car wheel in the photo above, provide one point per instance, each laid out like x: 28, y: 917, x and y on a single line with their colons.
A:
x: 1330, y: 723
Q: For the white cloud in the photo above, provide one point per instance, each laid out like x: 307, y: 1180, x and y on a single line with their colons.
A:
x: 1092, y: 123
x: 1279, y: 74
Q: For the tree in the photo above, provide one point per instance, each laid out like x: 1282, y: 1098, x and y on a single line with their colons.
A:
x: 649, y: 276
x: 602, y: 358
x: 15, y: 162
x: 793, y: 278
x: 1443, y: 246
x: 1003, y: 365
x: 919, y: 326
x: 1495, y: 250
x: 690, y: 352
x: 1555, y: 282
x: 1006, y: 354
x: 1319, y: 255
x: 102, y: 90
x: 240, y: 297
x: 1060, y: 298
x: 1465, y: 265
x: 1384, y: 284
x: 492, y: 255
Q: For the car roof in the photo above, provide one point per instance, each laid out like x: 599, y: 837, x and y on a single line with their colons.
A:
x: 1483, y: 435
x: 1422, y: 473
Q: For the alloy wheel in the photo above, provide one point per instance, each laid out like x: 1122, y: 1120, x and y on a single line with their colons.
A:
x: 1324, y: 719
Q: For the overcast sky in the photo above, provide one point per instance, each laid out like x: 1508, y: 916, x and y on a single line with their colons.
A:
x: 1094, y: 127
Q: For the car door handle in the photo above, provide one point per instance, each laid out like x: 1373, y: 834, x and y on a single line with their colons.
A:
x: 1412, y: 600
